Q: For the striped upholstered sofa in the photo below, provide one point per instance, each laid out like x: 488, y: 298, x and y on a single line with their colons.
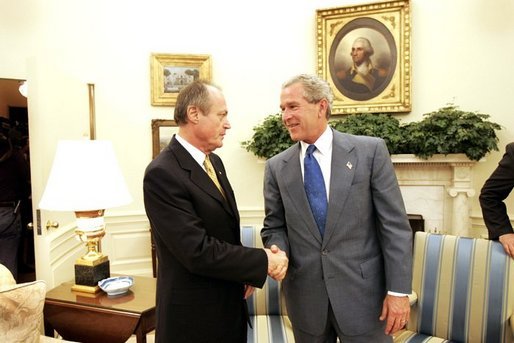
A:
x: 465, y: 291
x: 267, y: 307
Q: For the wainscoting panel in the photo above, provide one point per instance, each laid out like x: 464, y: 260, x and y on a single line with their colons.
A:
x: 64, y: 249
x: 127, y: 244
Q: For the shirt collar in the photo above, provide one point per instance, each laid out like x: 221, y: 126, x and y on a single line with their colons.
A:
x: 197, y: 154
x: 323, y: 144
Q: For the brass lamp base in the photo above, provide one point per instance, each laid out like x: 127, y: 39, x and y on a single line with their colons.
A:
x: 88, y: 275
x: 93, y: 266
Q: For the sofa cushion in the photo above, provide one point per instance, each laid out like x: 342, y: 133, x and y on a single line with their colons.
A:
x: 21, y: 311
x: 6, y: 278
x: 413, y: 337
x: 276, y: 329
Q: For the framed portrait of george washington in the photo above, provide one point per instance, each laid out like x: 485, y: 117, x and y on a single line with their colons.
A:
x: 364, y: 54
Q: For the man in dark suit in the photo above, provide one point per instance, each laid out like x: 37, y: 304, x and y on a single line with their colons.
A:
x: 204, y: 274
x: 495, y: 190
x: 350, y: 256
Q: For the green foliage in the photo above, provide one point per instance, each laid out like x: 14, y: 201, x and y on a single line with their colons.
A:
x: 450, y: 130
x: 269, y: 138
x: 377, y: 125
x: 445, y: 131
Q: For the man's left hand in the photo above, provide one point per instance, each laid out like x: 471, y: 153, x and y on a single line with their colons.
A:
x: 248, y: 291
x: 396, y: 311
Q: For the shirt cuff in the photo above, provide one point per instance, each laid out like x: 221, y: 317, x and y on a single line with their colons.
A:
x: 396, y: 294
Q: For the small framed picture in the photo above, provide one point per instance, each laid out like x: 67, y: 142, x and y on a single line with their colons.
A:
x: 364, y: 54
x: 162, y: 132
x: 170, y: 73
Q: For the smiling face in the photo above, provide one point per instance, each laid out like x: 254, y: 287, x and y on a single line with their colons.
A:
x: 305, y: 121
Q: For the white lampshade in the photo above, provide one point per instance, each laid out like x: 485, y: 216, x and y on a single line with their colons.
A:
x: 85, y: 176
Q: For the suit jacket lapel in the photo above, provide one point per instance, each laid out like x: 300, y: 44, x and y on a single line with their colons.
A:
x: 344, y: 163
x: 293, y: 180
x: 199, y: 177
x: 230, y: 202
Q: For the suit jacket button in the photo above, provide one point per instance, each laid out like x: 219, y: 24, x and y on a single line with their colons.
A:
x: 324, y: 252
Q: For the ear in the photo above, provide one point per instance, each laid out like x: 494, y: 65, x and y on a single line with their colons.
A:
x: 192, y: 114
x: 323, y: 108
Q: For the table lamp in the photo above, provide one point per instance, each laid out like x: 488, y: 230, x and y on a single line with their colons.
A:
x: 85, y: 178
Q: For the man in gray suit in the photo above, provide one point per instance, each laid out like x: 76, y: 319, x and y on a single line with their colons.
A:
x: 350, y: 262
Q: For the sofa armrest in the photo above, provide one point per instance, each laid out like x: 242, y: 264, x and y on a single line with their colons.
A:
x: 413, y: 298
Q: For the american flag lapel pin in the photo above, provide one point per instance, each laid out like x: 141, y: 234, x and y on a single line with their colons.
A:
x: 349, y: 165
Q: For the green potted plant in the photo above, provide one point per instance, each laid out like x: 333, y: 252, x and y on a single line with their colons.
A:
x: 376, y: 125
x: 269, y: 138
x: 447, y: 130
x: 451, y: 131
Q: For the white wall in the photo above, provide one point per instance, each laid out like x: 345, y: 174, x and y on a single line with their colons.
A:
x: 461, y: 53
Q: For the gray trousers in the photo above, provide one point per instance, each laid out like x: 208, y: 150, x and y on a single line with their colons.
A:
x: 333, y: 334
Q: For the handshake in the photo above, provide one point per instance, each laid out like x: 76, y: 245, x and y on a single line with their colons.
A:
x: 277, y: 262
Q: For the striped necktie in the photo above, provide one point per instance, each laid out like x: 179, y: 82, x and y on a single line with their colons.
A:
x: 212, y: 174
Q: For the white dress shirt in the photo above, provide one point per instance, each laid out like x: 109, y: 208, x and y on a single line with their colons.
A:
x: 197, y: 154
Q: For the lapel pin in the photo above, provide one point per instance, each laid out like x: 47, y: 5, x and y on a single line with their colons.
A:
x: 349, y: 165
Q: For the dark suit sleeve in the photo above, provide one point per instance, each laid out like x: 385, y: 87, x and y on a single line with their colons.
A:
x: 495, y: 190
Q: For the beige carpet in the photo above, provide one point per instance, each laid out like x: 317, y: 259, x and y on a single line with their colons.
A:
x: 150, y: 338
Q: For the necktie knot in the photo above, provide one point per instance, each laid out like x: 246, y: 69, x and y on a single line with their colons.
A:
x: 310, y: 149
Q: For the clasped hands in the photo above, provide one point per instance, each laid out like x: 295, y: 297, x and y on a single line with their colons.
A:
x: 277, y: 262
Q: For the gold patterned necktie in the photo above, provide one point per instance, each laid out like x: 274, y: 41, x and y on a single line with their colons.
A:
x: 212, y: 174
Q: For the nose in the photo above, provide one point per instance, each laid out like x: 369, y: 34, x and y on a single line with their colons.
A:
x: 285, y: 115
x: 226, y: 125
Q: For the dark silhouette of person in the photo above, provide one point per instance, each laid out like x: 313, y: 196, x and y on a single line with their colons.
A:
x: 14, y: 189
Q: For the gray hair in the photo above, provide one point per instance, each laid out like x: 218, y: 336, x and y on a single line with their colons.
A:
x: 368, y: 49
x: 315, y: 89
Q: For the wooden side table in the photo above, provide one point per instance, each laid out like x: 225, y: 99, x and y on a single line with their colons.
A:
x: 98, y: 318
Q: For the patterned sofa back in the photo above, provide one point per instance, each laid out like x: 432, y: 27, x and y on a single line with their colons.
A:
x: 268, y: 300
x: 465, y: 288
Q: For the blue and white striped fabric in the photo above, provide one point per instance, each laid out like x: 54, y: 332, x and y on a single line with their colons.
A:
x: 465, y: 291
x: 266, y: 306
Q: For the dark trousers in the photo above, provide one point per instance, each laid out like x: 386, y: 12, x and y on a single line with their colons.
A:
x: 10, y: 235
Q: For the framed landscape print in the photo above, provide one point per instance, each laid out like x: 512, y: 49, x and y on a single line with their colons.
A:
x: 364, y: 54
x: 162, y: 132
x: 170, y: 73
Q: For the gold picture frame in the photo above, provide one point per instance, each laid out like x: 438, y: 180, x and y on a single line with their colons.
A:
x: 162, y: 132
x: 386, y: 85
x: 170, y: 72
